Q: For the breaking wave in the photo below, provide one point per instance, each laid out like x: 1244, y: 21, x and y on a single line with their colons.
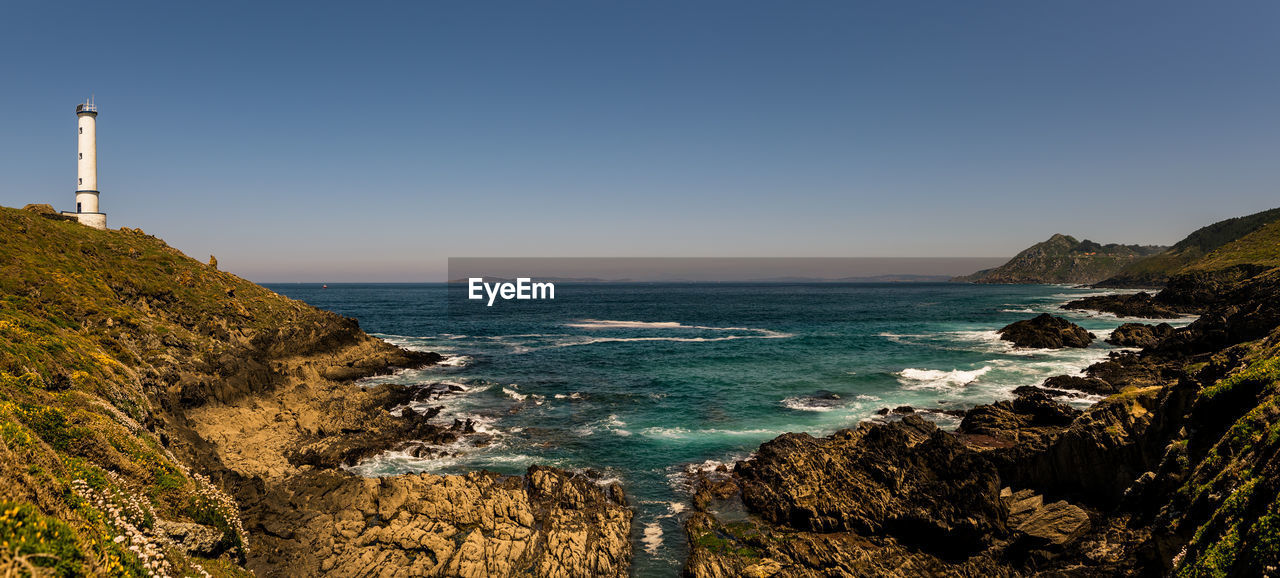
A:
x: 912, y: 378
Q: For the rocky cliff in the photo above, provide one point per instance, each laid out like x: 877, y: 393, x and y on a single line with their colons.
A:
x: 1177, y: 472
x: 161, y: 417
x: 1063, y: 259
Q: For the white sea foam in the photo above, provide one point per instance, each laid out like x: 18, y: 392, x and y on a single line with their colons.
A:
x: 652, y: 537
x: 455, y: 361
x: 867, y: 397
x: 682, y: 433
x: 482, y: 423
x: 802, y: 403
x: 912, y: 378
x: 449, y: 398
x: 1094, y: 314
x: 680, y: 478
x: 594, y: 340
x: 513, y: 394
x: 901, y: 337
x: 394, y: 462
x: 669, y: 325
x: 612, y: 424
x: 1064, y: 297
x: 612, y: 324
x: 574, y: 395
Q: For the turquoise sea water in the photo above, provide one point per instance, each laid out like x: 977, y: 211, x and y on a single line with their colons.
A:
x: 643, y: 381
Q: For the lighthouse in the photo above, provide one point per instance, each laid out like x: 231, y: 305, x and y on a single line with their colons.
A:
x: 87, y: 209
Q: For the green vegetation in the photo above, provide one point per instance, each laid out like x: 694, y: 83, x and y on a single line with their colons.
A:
x: 1263, y: 372
x: 1063, y: 259
x: 1197, y: 251
x: 1241, y: 534
x: 95, y: 328
x: 1261, y: 247
x: 724, y: 545
x: 45, y: 542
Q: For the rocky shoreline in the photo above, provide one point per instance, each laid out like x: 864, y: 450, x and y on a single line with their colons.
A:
x: 1155, y: 479
x: 161, y: 417
x: 308, y: 517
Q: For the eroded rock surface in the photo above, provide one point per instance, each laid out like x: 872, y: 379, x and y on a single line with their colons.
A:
x: 1030, y: 415
x: 546, y: 523
x: 908, y: 480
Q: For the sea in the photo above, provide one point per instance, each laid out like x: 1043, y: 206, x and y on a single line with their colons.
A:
x: 643, y: 383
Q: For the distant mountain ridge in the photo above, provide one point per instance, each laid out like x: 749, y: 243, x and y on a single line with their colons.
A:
x: 1063, y: 259
x: 1251, y: 239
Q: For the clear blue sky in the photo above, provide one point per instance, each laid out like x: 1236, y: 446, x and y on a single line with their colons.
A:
x: 370, y: 141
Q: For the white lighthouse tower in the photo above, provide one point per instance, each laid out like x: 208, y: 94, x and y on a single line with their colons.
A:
x: 87, y: 167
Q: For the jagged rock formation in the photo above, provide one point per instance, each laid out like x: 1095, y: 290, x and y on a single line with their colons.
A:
x: 1045, y: 331
x: 160, y: 416
x: 943, y: 498
x: 548, y: 523
x: 1063, y: 259
x: 1176, y: 473
x: 1030, y: 414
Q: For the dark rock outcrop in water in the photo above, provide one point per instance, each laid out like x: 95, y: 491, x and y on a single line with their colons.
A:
x: 1046, y: 332
x: 1139, y: 334
x: 1175, y: 473
x: 1135, y: 305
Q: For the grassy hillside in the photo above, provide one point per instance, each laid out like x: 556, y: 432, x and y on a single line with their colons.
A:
x: 1154, y: 271
x: 103, y: 336
x: 1063, y: 259
x: 1260, y: 248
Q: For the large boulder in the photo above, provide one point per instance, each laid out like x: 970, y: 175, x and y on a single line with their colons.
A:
x: 47, y: 211
x: 909, y: 480
x: 40, y: 209
x: 1044, y: 525
x: 1139, y: 334
x: 1045, y: 331
x: 194, y: 539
